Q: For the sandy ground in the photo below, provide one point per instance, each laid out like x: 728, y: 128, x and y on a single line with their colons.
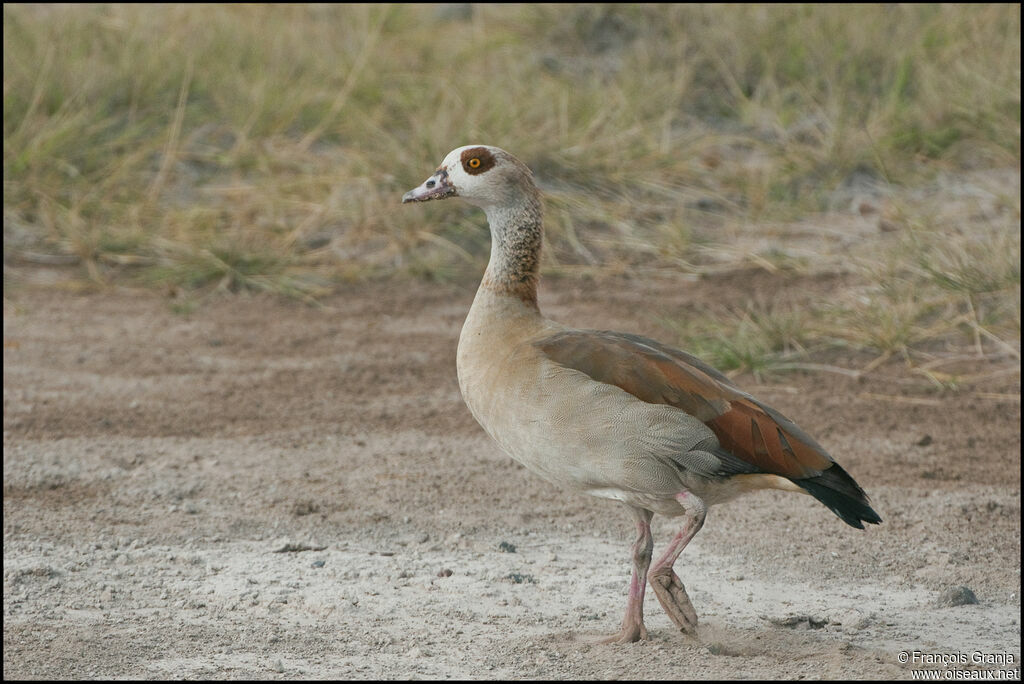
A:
x: 261, y: 489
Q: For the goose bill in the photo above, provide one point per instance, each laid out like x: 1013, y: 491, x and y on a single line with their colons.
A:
x: 435, y: 187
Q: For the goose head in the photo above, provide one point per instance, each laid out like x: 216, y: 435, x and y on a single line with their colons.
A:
x: 482, y: 175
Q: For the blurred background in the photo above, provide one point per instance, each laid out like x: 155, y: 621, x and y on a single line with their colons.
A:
x: 198, y: 149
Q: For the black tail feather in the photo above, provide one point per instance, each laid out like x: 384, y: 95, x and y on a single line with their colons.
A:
x: 843, y: 496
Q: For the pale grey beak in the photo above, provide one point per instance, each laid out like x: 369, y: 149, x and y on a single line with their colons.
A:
x: 435, y: 187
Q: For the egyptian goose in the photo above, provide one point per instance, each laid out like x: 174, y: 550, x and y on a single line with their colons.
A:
x: 616, y: 415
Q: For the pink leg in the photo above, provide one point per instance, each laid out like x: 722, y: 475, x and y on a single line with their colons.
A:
x: 633, y: 623
x: 666, y: 584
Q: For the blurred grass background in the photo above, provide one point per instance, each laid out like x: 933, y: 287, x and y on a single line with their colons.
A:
x: 202, y: 148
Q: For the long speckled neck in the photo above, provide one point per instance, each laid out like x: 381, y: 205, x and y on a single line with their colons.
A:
x: 517, y: 232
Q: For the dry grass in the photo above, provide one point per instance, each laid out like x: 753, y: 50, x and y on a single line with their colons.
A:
x: 267, y: 147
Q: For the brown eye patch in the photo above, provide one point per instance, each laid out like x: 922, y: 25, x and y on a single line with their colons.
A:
x: 477, y: 160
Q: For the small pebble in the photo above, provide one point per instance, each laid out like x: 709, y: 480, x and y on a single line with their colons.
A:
x: 957, y: 596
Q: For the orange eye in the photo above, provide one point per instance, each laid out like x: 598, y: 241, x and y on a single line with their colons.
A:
x: 474, y: 163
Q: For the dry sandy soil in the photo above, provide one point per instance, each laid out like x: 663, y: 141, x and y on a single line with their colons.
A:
x: 262, y: 489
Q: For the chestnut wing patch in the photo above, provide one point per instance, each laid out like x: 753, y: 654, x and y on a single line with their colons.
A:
x: 658, y: 374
